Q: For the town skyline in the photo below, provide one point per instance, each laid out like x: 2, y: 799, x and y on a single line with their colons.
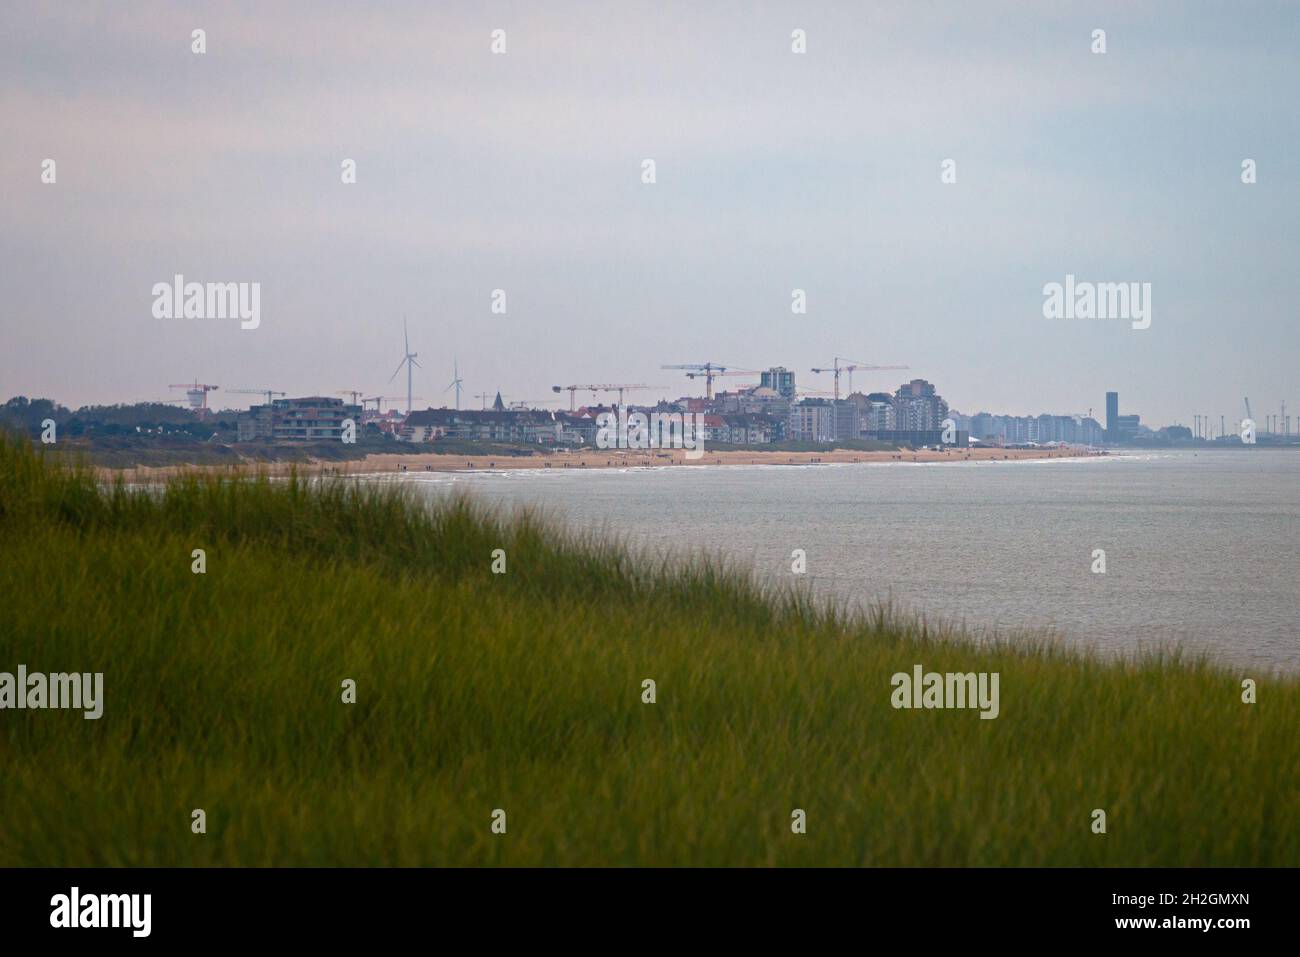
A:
x: 809, y: 385
x: 916, y: 195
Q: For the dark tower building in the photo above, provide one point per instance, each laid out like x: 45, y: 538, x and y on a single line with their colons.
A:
x: 1112, y: 416
x: 780, y: 380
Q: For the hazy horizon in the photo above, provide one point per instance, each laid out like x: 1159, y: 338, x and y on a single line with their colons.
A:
x: 775, y: 171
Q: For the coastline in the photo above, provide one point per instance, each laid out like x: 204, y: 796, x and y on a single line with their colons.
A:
x: 394, y: 597
x: 589, y: 459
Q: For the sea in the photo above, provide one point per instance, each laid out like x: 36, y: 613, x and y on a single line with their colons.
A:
x: 1201, y: 548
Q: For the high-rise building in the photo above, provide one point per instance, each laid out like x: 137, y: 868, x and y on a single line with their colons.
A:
x: 812, y: 420
x: 780, y: 380
x: 880, y: 415
x: 1112, y: 416
x: 917, y: 407
x: 1126, y: 428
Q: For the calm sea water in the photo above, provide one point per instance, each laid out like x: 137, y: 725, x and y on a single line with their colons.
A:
x: 1202, y: 549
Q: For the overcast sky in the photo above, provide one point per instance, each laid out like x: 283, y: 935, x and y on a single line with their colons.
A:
x: 775, y: 171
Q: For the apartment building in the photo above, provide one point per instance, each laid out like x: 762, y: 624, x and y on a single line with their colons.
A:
x: 812, y: 420
x: 917, y: 407
x: 308, y: 419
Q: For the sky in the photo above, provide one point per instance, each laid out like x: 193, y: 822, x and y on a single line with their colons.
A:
x: 774, y: 171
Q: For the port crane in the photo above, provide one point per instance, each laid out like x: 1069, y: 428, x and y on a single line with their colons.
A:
x: 619, y: 387
x: 850, y: 367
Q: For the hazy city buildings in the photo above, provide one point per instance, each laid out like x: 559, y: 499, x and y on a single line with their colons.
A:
x: 1028, y: 429
x: 812, y: 420
x: 917, y: 407
x: 310, y: 419
x: 1120, y: 428
x: 913, y: 415
x: 780, y: 380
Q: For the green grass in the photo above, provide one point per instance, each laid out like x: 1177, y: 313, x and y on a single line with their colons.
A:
x: 522, y: 691
x: 132, y: 451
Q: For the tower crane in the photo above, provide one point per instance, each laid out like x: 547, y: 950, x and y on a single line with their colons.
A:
x: 618, y: 387
x: 709, y: 370
x: 379, y: 400
x: 197, y: 394
x: 748, y: 373
x: 850, y: 367
x: 269, y: 393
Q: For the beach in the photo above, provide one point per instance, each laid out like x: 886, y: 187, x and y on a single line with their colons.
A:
x: 590, y: 459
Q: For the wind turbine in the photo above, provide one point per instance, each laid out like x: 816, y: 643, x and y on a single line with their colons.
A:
x: 456, y: 381
x: 408, y: 360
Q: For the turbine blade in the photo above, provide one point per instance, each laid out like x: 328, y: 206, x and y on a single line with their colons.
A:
x: 397, y: 370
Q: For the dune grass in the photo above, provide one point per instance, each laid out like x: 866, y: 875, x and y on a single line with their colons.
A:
x: 522, y: 691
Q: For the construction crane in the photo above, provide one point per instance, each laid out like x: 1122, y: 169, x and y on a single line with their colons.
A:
x: 850, y: 367
x: 355, y: 393
x: 379, y: 400
x: 269, y: 393
x: 719, y: 375
x: 709, y: 370
x: 620, y: 388
x: 197, y: 394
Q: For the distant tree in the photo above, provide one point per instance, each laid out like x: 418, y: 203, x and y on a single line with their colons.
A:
x: 27, y: 414
x: 143, y: 414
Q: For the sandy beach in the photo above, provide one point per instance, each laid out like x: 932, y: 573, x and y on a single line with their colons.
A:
x: 589, y: 459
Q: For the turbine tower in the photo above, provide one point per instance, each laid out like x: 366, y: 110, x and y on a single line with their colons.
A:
x: 408, y: 360
x: 456, y: 381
